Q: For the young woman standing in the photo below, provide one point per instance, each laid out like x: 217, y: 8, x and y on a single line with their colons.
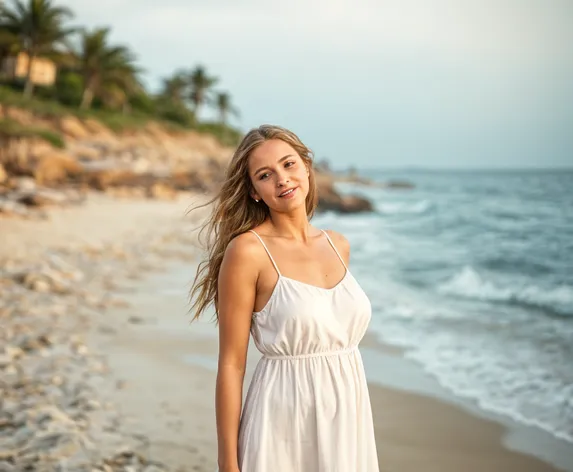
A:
x: 272, y: 275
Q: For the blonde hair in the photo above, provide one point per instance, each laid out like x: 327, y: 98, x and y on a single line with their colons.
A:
x: 235, y: 212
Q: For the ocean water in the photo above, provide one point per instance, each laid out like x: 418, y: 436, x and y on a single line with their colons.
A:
x: 472, y: 273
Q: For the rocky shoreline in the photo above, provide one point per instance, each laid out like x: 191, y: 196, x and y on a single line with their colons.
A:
x: 151, y: 162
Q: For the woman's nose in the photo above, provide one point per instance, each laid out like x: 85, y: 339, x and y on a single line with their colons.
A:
x: 282, y: 179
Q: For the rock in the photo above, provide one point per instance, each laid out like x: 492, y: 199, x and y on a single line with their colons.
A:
x: 5, y: 360
x: 50, y: 413
x: 24, y: 117
x: 33, y: 342
x: 13, y: 351
x: 127, y: 192
x: 399, y: 184
x: 7, y: 467
x: 162, y: 191
x: 156, y: 131
x: 141, y: 165
x: 96, y: 127
x: 48, y: 280
x: 43, y: 197
x: 85, y: 153
x: 41, y: 286
x: 65, y: 268
x: 80, y: 349
x: 73, y: 127
x: 203, y: 178
x: 330, y: 199
x: 25, y: 184
x: 92, y: 405
x: 109, y: 174
x: 12, y: 208
x: 23, y: 435
x: 56, y: 167
x: 355, y: 204
x: 54, y: 444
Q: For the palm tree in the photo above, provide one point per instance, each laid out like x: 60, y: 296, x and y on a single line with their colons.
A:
x: 39, y: 28
x: 224, y: 106
x: 201, y: 85
x: 109, y: 72
x: 175, y: 88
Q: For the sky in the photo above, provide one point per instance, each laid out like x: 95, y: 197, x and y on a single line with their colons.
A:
x: 374, y: 83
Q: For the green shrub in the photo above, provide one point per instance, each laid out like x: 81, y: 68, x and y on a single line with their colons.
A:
x: 173, y: 112
x: 12, y: 128
x: 143, y: 103
x: 44, y: 108
x: 69, y: 88
x: 226, y: 135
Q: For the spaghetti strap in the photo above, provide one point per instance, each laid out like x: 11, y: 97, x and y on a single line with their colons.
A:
x: 334, y: 247
x: 268, y: 252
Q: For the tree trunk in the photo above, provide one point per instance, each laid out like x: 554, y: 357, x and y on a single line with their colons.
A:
x: 87, y: 98
x: 126, y: 108
x: 223, y: 117
x: 29, y: 87
x: 198, y: 102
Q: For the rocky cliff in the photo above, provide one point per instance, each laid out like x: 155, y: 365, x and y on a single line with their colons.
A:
x: 56, y: 160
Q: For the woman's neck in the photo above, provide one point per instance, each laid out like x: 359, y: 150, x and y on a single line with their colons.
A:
x: 293, y: 225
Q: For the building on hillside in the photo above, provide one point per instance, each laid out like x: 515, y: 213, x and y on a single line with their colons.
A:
x: 43, y: 70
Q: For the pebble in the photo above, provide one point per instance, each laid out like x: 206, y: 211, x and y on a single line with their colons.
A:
x: 51, y: 419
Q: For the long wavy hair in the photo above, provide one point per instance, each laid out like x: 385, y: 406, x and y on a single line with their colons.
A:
x: 235, y: 212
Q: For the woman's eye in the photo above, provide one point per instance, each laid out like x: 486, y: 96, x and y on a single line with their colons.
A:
x: 289, y: 163
x: 263, y: 176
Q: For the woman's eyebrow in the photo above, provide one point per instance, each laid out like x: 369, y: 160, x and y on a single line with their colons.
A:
x: 266, y: 167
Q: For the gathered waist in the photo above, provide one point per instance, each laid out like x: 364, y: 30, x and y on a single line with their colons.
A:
x: 289, y: 357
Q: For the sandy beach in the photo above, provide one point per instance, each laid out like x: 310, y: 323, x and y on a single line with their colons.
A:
x: 151, y: 375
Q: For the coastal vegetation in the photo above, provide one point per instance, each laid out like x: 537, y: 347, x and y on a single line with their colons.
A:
x: 53, y: 67
x: 76, y: 115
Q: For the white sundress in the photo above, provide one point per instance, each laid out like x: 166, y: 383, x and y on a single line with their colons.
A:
x: 307, y: 408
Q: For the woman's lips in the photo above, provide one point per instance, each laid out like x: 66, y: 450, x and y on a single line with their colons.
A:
x: 290, y: 194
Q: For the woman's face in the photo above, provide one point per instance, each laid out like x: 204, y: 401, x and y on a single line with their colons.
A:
x: 279, y: 175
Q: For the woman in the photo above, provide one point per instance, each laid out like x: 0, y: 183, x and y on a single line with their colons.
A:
x: 273, y: 275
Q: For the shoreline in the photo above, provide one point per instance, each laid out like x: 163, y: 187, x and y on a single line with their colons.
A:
x: 155, y: 384
x: 390, y: 368
x: 414, y: 427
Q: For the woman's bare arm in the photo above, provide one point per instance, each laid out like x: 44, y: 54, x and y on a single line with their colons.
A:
x: 237, y: 290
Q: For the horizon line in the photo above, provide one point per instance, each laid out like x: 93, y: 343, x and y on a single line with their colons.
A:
x: 452, y: 169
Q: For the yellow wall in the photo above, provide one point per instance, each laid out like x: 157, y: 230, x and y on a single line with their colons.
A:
x: 43, y: 70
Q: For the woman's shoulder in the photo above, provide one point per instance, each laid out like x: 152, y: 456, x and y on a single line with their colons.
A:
x: 339, y: 240
x: 340, y: 243
x: 244, y: 244
x: 244, y: 255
